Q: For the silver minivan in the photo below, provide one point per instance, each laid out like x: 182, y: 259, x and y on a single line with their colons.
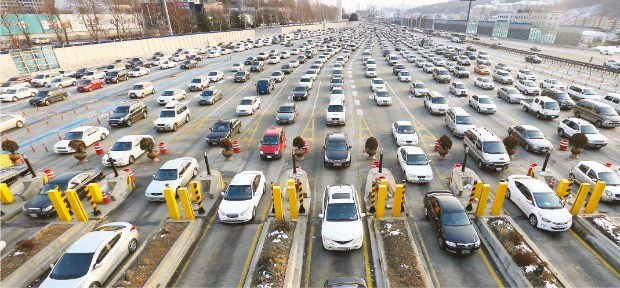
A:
x: 599, y: 113
x: 486, y: 149
x: 613, y: 99
x: 458, y: 121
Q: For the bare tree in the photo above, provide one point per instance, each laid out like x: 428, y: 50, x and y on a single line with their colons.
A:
x: 87, y: 11
x: 18, y: 23
x: 120, y: 11
x: 50, y: 14
x: 6, y: 20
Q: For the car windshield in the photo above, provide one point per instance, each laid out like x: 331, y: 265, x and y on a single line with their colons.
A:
x: 464, y: 120
x: 72, y: 266
x: 166, y: 175
x: 337, y: 91
x: 608, y: 111
x: 271, y: 140
x: 238, y: 193
x: 286, y: 109
x: 406, y: 129
x: 137, y: 87
x: 493, y: 147
x: 166, y: 114
x: 110, y: 74
x: 337, y: 81
x: 207, y: 93
x: 246, y: 102
x: 168, y: 93
x: 416, y: 159
x: 220, y: 127
x: 341, y: 212
x: 562, y: 96
x: 240, y: 73
x: 121, y: 109
x: 371, y: 69
x: 459, y: 86
x: 186, y: 62
x: 512, y: 91
x: 300, y: 89
x: 56, y: 80
x: 137, y: 69
x: 405, y: 73
x: 303, y: 80
x: 610, y: 178
x: 335, y: 108
x: 40, y: 76
x: 483, y: 100
x: 383, y: 94
x: 548, y: 200
x: 529, y: 84
x: 439, y: 100
x: 11, y: 91
x: 420, y: 86
x: 74, y: 135
x: 212, y: 73
x: 90, y: 73
x: 255, y: 63
x: 553, y: 81
x: 84, y: 82
x: 337, y: 145
x: 588, y: 129
x: 552, y: 105
x: 527, y: 72
x: 457, y: 218
x: 121, y: 146
x: 534, y: 134
x: 62, y: 186
x: 377, y: 81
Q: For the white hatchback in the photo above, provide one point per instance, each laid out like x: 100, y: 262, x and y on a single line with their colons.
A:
x: 341, y: 224
x: 174, y: 174
x: 241, y: 197
x: 415, y: 165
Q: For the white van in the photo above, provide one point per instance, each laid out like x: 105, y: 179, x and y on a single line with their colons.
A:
x: 613, y: 100
x: 335, y: 113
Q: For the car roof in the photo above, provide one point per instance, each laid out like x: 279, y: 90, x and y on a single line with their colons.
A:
x: 248, y: 98
x: 402, y: 123
x: 530, y: 127
x: 65, y: 177
x: 90, y: 242
x: 131, y: 138
x: 596, y: 166
x: 412, y: 149
x: 226, y: 120
x: 274, y: 131
x: 174, y: 163
x: 448, y: 202
x: 244, y: 178
x: 81, y: 128
x: 288, y: 105
x: 534, y: 185
x: 336, y: 136
x: 579, y: 121
x: 342, y: 193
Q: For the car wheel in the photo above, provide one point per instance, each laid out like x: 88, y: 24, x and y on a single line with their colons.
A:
x: 19, y: 124
x: 527, y: 147
x: 253, y: 213
x: 131, y: 159
x: 195, y: 173
x: 577, y: 114
x: 441, y: 243
x: 90, y: 89
x: 144, y: 115
x: 507, y: 193
x: 129, y: 123
x: 561, y: 132
x: 480, y: 165
x: 187, y: 118
x: 64, y: 97
x: 94, y: 285
x: 133, y: 245
x: 478, y: 109
x: 103, y: 136
x: 46, y: 103
x: 538, y: 115
x: 14, y: 99
x: 571, y: 176
x: 533, y: 220
x: 599, y: 123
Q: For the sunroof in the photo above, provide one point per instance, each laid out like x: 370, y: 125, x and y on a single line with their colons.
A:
x: 341, y: 196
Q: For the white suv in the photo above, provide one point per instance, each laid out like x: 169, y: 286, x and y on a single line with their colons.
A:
x: 436, y: 103
x: 172, y: 116
x: 458, y: 121
x: 335, y: 113
x: 528, y: 87
x: 590, y: 171
x: 242, y: 197
x: 171, y: 95
x: 141, y: 89
x: 341, y: 218
x: 199, y: 83
x: 503, y: 77
x: 570, y: 126
x: 578, y: 92
x: 175, y: 173
x: 377, y: 84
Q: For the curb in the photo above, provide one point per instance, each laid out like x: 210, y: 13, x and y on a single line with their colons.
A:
x: 33, y: 269
x: 167, y: 267
x: 383, y: 263
x: 295, y: 257
x: 607, y: 248
x: 380, y: 278
x: 257, y: 252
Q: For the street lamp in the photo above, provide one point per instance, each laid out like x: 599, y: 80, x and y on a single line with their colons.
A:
x: 468, y: 9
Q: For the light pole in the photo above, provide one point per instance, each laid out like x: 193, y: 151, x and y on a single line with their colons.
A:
x: 468, y: 9
x: 167, y: 17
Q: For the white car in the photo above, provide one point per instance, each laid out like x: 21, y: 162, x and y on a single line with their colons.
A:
x: 125, y: 151
x: 337, y: 93
x: 528, y: 87
x: 404, y: 76
x: 166, y: 64
x: 482, y: 104
x: 377, y: 84
x: 90, y: 260
x: 484, y: 83
x: 540, y: 204
x: 307, y: 82
x: 94, y: 75
x: 171, y: 95
x: 404, y: 133
x: 590, y: 171
x: 274, y: 59
x: 579, y: 92
x: 248, y: 105
x: 312, y: 74
x: 61, y: 82
x: 503, y: 77
x: 571, y: 126
x: 458, y: 88
x: 241, y: 197
x: 371, y: 72
x: 9, y: 121
x: 418, y: 89
x: 293, y: 63
x: 89, y: 134
x: 174, y: 173
x: 215, y: 76
x: 428, y: 68
x: 239, y: 48
x: 415, y: 165
x: 14, y: 94
x: 174, y: 115
x: 214, y: 54
x: 512, y: 95
x: 550, y: 83
x: 277, y: 76
x: 341, y: 219
x: 141, y: 89
x: 436, y: 103
x: 526, y: 74
x: 371, y: 63
x: 294, y: 51
x: 199, y: 82
x: 237, y: 67
x: 225, y: 51
x: 139, y: 71
x: 13, y: 85
x: 382, y: 97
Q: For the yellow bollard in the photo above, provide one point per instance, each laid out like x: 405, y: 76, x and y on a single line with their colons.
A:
x: 6, y: 197
x: 562, y: 190
x: 595, y: 197
x: 196, y: 191
x: 276, y: 193
x: 484, y: 197
x: 171, y: 201
x: 130, y: 183
x: 95, y: 192
x: 292, y: 199
x: 59, y: 204
x: 584, y: 188
x: 76, y: 205
x: 381, y: 201
x: 398, y: 200
x: 500, y: 195
x: 186, y: 204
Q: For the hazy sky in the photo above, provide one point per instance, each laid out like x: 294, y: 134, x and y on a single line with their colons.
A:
x: 351, y: 5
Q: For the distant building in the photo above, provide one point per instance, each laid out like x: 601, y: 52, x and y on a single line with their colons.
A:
x: 545, y: 24
x: 22, y: 6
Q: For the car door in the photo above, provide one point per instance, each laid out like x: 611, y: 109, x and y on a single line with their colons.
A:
x: 282, y: 142
x: 519, y: 132
x: 91, y: 136
x: 402, y: 160
x: 114, y: 256
x: 591, y: 176
x: 6, y: 123
x: 135, y: 150
x: 255, y: 190
x: 434, y: 213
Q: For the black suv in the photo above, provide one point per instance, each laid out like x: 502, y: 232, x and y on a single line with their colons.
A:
x: 533, y: 59
x: 566, y: 103
x: 242, y: 76
x: 116, y: 76
x: 337, y: 150
x: 456, y: 232
x: 223, y: 128
x: 45, y: 97
x: 249, y: 60
x: 257, y: 66
x: 127, y: 113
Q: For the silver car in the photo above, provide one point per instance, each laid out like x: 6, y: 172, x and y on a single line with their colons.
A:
x: 531, y: 138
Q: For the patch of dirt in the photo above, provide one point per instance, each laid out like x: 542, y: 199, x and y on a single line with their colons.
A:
x: 403, y: 269
x: 534, y: 269
x: 271, y: 266
x: 156, y: 249
x: 30, y: 247
x: 608, y: 228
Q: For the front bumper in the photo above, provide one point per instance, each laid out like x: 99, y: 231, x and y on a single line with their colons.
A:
x: 337, y: 163
x: 419, y: 179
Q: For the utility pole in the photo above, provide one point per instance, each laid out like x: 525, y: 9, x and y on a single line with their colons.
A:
x: 167, y: 17
x: 468, y: 9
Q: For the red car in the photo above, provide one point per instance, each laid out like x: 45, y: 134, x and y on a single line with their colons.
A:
x: 273, y: 143
x: 87, y: 85
x: 22, y: 78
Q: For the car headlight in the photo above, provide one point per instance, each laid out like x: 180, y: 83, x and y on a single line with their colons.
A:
x: 608, y: 193
x: 429, y: 176
x: 276, y: 152
x: 451, y: 244
x: 24, y: 208
x: 48, y: 208
x: 261, y: 152
x: 221, y: 213
x: 245, y: 212
x: 327, y: 240
x: 477, y: 243
x: 545, y: 219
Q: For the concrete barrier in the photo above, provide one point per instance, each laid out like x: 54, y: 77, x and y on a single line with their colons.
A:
x: 607, y: 248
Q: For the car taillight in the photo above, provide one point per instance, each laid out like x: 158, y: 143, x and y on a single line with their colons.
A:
x: 133, y: 227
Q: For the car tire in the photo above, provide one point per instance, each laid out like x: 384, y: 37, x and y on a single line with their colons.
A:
x: 103, y: 136
x: 571, y: 176
x: 19, y: 124
x: 64, y: 97
x: 175, y: 127
x: 128, y: 122
x: 480, y: 165
x: 527, y: 147
x: 561, y: 132
x: 46, y: 103
x: 253, y: 213
x: 144, y: 115
x: 94, y: 285
x: 507, y: 196
x: 599, y: 123
x: 478, y: 109
x: 14, y: 99
x: 533, y: 220
x: 132, y: 159
x: 133, y: 245
x: 187, y: 118
x: 441, y: 243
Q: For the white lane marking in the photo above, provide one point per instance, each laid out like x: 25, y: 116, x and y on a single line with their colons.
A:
x: 354, y: 93
x: 357, y: 102
x: 352, y: 86
x: 360, y: 112
x: 352, y: 81
x: 317, y: 97
x: 350, y: 72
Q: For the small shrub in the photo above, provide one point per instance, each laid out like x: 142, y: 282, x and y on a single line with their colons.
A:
x: 226, y: 144
x: 10, y: 146
x: 445, y: 142
x: 298, y: 142
x: 525, y: 258
x: 78, y: 145
x: 24, y: 245
x: 147, y: 144
x: 371, y: 144
x: 579, y: 141
x: 511, y: 142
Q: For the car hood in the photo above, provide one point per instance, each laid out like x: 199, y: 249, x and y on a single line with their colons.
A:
x: 217, y: 135
x: 167, y: 120
x: 497, y: 157
x: 116, y: 155
x: 234, y: 207
x: 342, y: 230
x: 337, y: 154
x: 407, y: 137
x: 285, y: 116
x: 158, y: 186
x: 556, y: 215
x: 596, y: 137
x: 419, y: 170
x: 77, y: 282
x: 63, y: 143
x: 39, y: 201
x: 540, y: 142
x: 117, y: 115
x: 269, y: 149
x: 460, y: 234
x: 244, y: 107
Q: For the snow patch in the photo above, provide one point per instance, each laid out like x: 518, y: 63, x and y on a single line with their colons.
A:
x: 17, y: 253
x: 608, y: 226
x: 530, y: 268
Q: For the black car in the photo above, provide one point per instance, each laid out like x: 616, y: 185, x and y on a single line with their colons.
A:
x: 533, y: 59
x: 41, y: 206
x: 286, y: 69
x: 116, y: 76
x: 195, y: 57
x: 127, y: 113
x: 242, y: 76
x: 145, y: 64
x: 249, y: 60
x: 337, y: 150
x: 45, y: 97
x: 566, y: 103
x: 300, y: 92
x: 302, y: 59
x: 257, y: 66
x: 188, y: 64
x: 456, y: 232
x: 80, y: 73
x: 397, y: 68
x: 223, y: 128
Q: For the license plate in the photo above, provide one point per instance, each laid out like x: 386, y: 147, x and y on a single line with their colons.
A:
x: 33, y: 215
x: 466, y: 251
x: 498, y: 169
x: 342, y: 248
x: 337, y: 164
x: 268, y: 156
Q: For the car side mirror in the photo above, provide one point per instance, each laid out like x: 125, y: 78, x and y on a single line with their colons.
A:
x: 321, y: 215
x: 429, y: 161
x: 222, y: 193
x: 261, y: 141
x: 52, y: 266
x: 211, y: 129
x: 350, y: 146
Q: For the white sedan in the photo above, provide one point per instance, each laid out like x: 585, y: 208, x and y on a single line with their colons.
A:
x: 540, y: 204
x: 484, y: 83
x: 404, y: 133
x: 377, y: 84
x: 551, y: 83
x: 174, y: 173
x: 241, y: 197
x: 94, y: 75
x: 215, y: 76
x: 414, y: 163
x: 342, y: 228
x: 14, y: 94
x: 91, y: 259
x: 88, y: 134
x: 237, y: 67
x: 482, y: 104
x: 248, y: 105
x: 125, y: 151
x: 9, y: 121
x: 61, y: 82
x: 139, y: 71
x: 166, y: 64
